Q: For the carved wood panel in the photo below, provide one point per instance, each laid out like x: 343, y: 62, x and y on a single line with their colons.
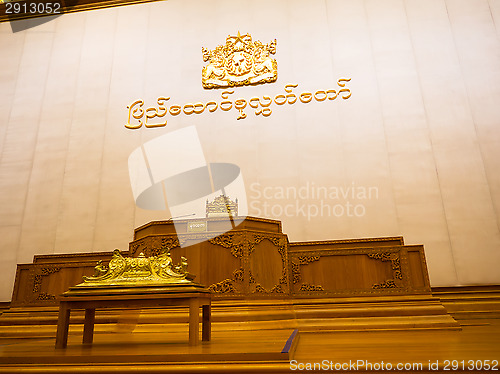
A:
x: 249, y: 263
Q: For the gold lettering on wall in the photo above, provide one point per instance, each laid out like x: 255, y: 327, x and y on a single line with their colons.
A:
x: 155, y: 116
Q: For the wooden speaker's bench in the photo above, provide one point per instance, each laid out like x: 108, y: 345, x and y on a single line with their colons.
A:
x: 135, y: 298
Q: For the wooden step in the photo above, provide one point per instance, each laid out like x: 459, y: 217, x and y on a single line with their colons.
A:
x: 470, y: 302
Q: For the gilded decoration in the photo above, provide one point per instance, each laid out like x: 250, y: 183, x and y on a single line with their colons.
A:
x: 302, y: 260
x: 166, y: 244
x: 157, y: 115
x: 387, y: 284
x: 309, y: 287
x: 222, y: 206
x: 240, y: 62
x: 37, y: 282
x: 139, y: 271
x: 251, y: 278
x: 139, y: 246
x: 278, y: 288
x: 238, y: 275
x: 43, y: 296
x: 228, y: 285
x: 234, y: 242
x: 395, y: 266
x: 295, y: 272
x: 259, y: 288
x: 154, y: 246
x: 225, y: 286
x: 256, y: 240
x: 281, y: 244
x: 37, y: 278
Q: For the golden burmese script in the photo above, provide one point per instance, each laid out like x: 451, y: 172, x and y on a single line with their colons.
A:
x: 156, y: 116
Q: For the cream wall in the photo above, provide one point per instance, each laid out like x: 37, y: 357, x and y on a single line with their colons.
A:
x: 422, y: 126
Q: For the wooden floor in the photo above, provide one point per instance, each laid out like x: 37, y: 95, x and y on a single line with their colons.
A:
x: 142, y: 345
x: 153, y: 349
x: 476, y: 342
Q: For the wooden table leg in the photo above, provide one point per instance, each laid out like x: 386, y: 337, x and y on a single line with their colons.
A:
x: 206, y: 324
x: 62, y: 325
x: 194, y: 321
x: 88, y: 327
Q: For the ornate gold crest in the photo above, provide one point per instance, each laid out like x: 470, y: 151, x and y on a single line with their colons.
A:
x: 239, y: 62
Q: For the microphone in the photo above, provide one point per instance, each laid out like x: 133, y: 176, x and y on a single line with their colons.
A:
x: 186, y: 215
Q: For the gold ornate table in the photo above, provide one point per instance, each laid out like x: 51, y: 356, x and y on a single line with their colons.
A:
x: 136, y: 283
x: 135, y: 298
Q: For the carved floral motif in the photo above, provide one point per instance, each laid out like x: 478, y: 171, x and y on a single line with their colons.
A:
x: 37, y: 279
x: 234, y: 242
x: 45, y: 296
x: 281, y: 244
x: 225, y: 286
x: 395, y: 266
x: 302, y: 260
x: 387, y: 284
x: 228, y: 285
x: 310, y: 287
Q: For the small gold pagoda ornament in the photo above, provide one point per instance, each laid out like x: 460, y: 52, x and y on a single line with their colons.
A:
x: 140, y: 271
x: 240, y: 62
x: 222, y: 206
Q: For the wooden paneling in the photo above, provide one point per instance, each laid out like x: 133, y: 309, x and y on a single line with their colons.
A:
x: 419, y: 276
x: 40, y: 284
x: 254, y: 260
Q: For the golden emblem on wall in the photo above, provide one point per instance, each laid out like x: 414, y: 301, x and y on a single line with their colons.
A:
x: 240, y: 62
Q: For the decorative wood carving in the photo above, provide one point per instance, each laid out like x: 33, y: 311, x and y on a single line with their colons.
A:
x: 278, y: 288
x: 259, y: 288
x: 252, y: 243
x: 45, y: 296
x: 234, y: 242
x: 139, y: 246
x: 239, y: 269
x: 281, y: 243
x: 251, y: 278
x: 168, y: 243
x: 37, y: 278
x: 238, y: 275
x: 387, y: 284
x: 302, y: 260
x: 224, y: 287
x: 295, y: 272
x: 310, y: 287
x: 395, y: 265
x: 228, y: 285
